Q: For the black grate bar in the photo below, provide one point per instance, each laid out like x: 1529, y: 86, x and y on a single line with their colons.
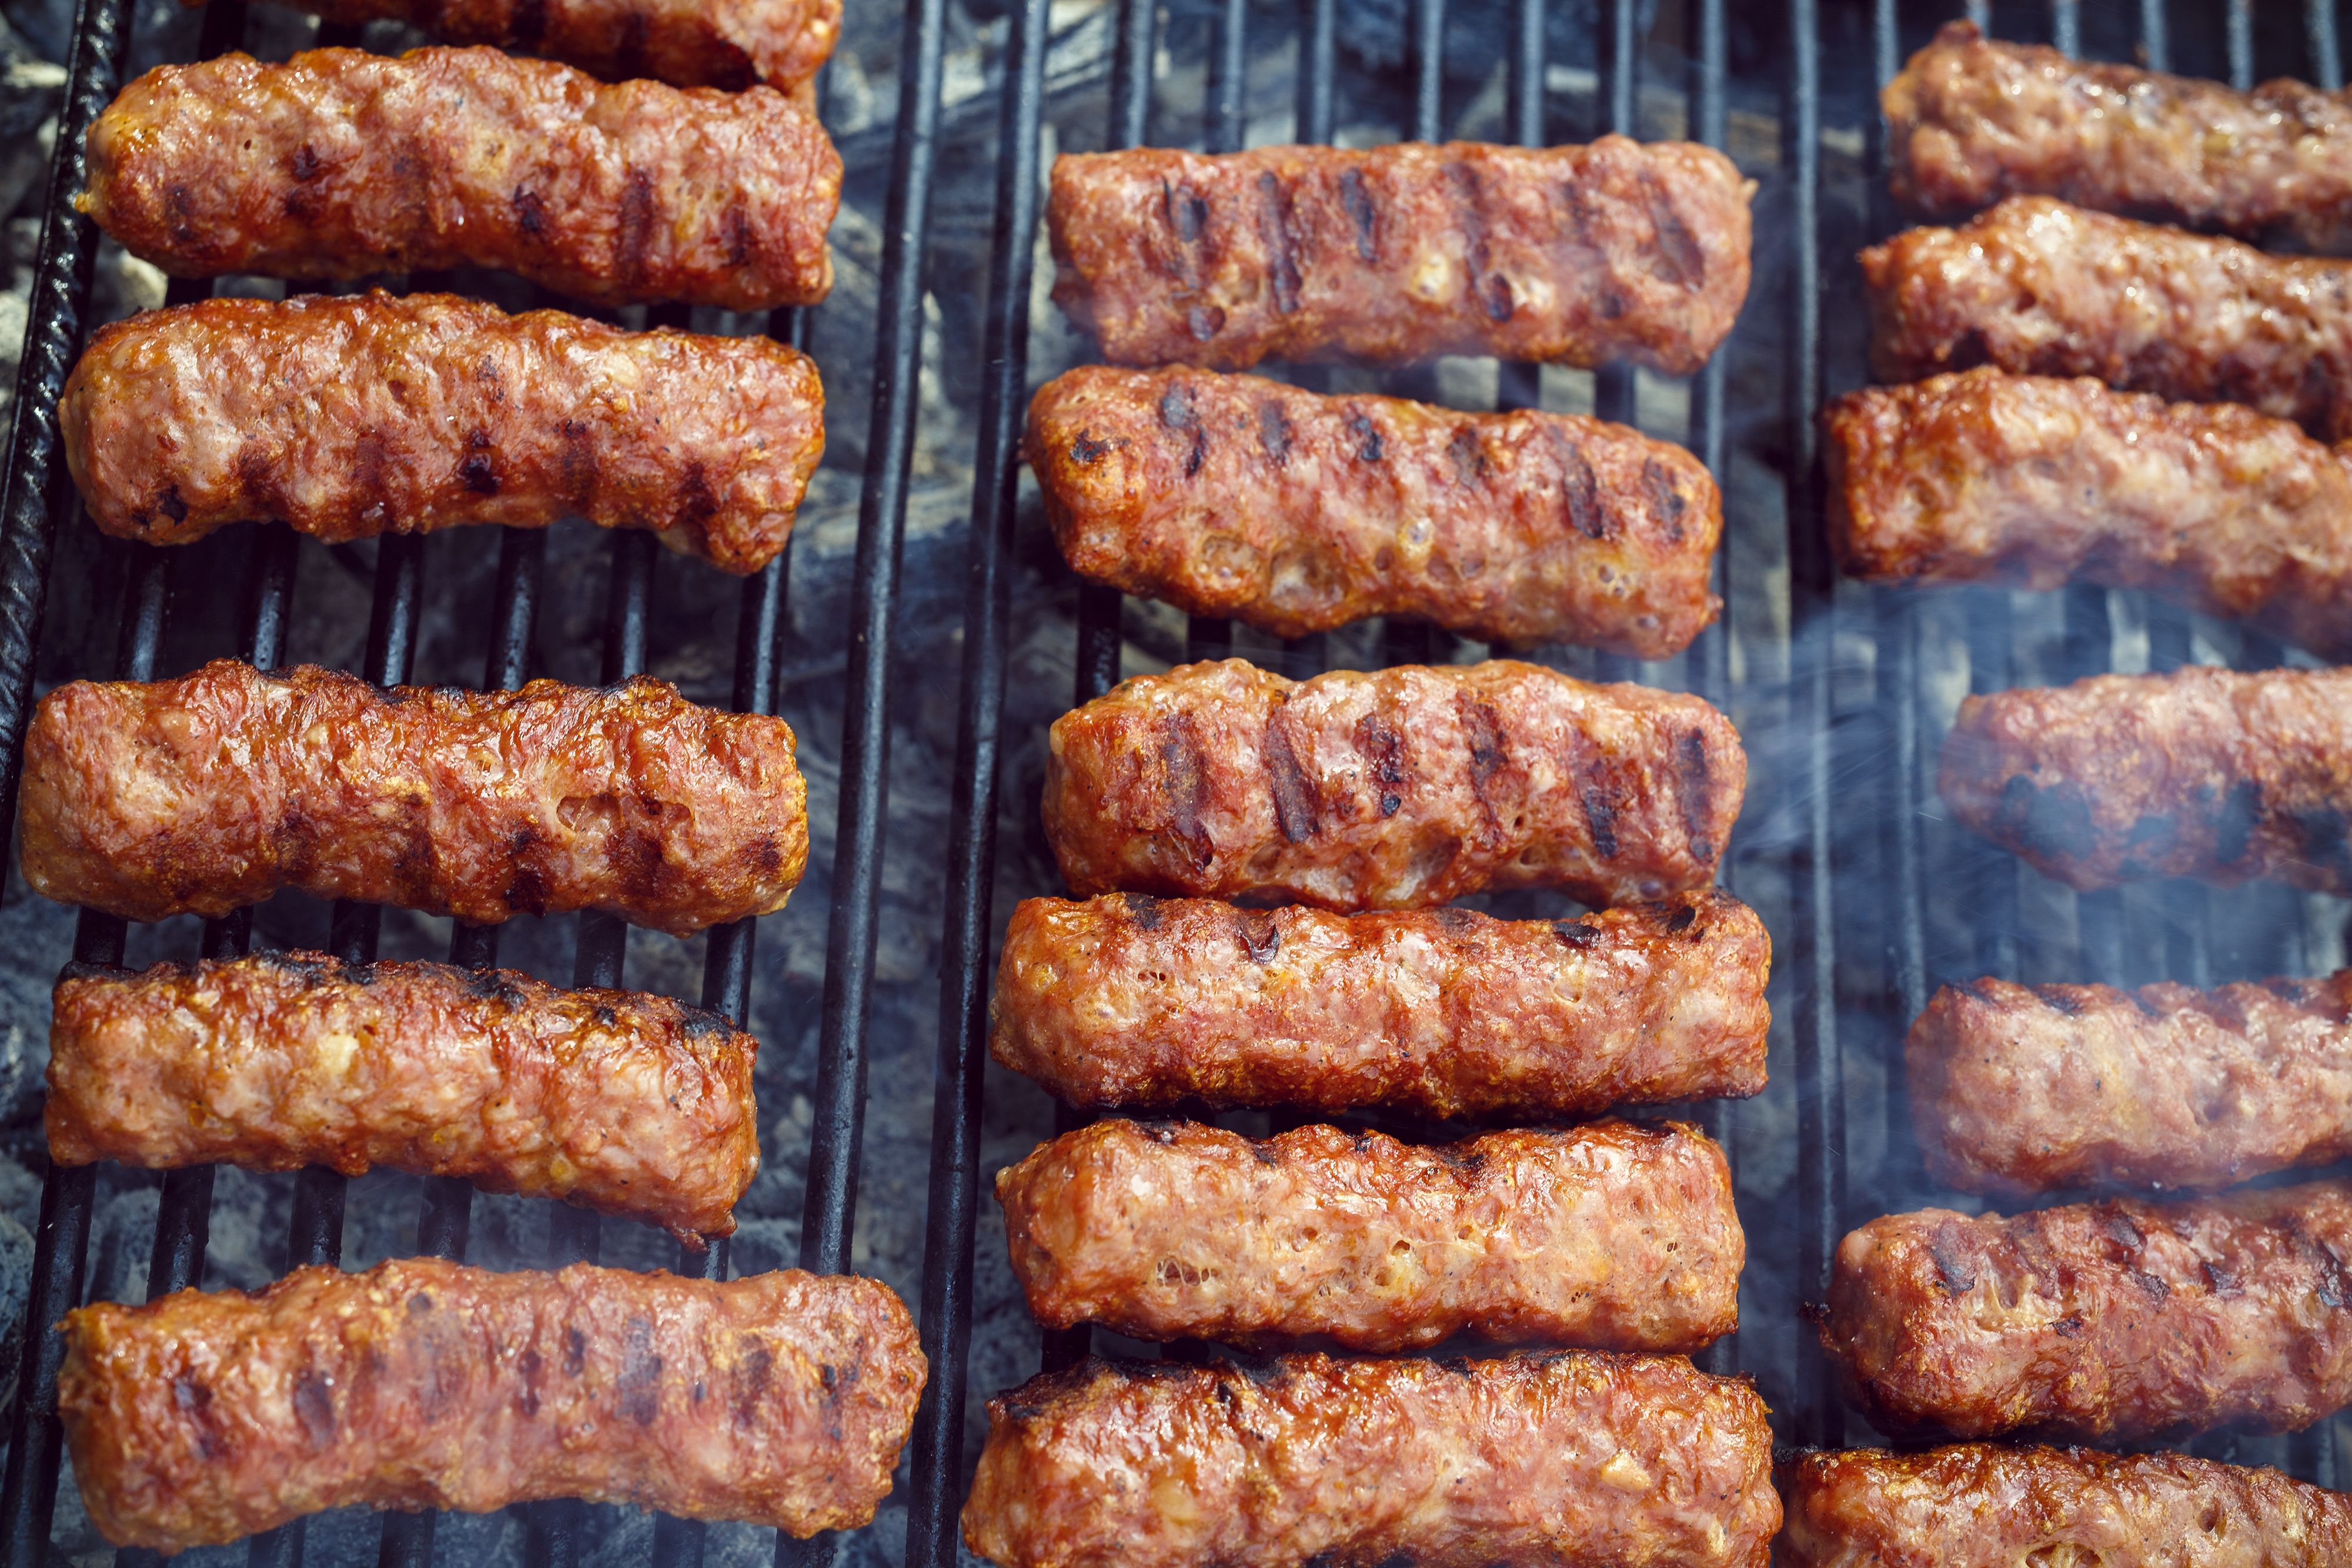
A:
x: 1229, y: 79
x: 1317, y: 66
x: 2241, y: 44
x: 2155, y: 36
x: 2066, y: 26
x: 1711, y: 119
x: 1428, y: 18
x: 2319, y: 33
x: 1613, y: 385
x: 1517, y: 384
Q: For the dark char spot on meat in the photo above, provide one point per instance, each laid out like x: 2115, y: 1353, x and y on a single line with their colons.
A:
x: 1579, y: 934
x: 1295, y: 804
x: 1143, y: 909
x: 1085, y: 450
x: 1367, y: 436
x: 1361, y: 213
x: 314, y: 1406
x: 639, y: 1386
x: 1275, y: 431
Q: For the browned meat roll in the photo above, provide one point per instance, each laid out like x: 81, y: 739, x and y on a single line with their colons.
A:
x: 1132, y: 1000
x: 620, y: 1102
x: 1990, y: 477
x: 1971, y: 119
x: 2038, y: 287
x: 1230, y: 495
x: 212, y: 791
x: 2204, y: 772
x: 730, y: 44
x: 1615, y: 1236
x: 340, y: 164
x: 780, y: 1399
x: 1978, y: 1505
x: 349, y: 417
x: 1405, y: 788
x: 1573, y: 254
x: 1568, y: 1460
x: 2107, y: 1322
x: 2018, y: 1090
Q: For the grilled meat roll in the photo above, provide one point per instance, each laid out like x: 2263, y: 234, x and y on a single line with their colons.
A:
x: 1566, y: 1459
x: 1296, y: 513
x: 1405, y: 788
x: 2108, y: 1322
x: 1978, y: 1505
x: 2018, y: 1090
x: 2038, y: 287
x: 1990, y: 477
x: 1127, y: 999
x: 206, y: 793
x: 778, y: 1399
x: 349, y: 417
x: 1970, y: 120
x: 1615, y: 1236
x: 2219, y: 773
x: 1574, y: 255
x: 616, y: 1101
x: 340, y: 164
x: 728, y: 43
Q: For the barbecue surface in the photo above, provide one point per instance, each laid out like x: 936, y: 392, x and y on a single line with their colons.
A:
x: 340, y: 163
x: 780, y: 1399
x: 349, y: 417
x: 212, y: 791
x: 1298, y: 513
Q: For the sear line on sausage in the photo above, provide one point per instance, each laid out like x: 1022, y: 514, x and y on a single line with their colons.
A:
x: 1405, y: 788
x: 2218, y: 774
x: 340, y: 163
x: 619, y: 1101
x: 1981, y: 1505
x: 1988, y: 478
x: 778, y: 1399
x: 2018, y: 1090
x: 1576, y: 255
x: 1564, y: 1459
x: 2038, y: 287
x: 2109, y: 1321
x: 1613, y: 1236
x: 1971, y: 119
x: 351, y: 417
x: 1230, y: 495
x: 727, y: 44
x: 1132, y: 1001
x: 200, y: 795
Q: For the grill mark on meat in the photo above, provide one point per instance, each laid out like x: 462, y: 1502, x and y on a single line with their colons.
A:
x: 1274, y: 226
x: 1260, y: 937
x: 1676, y: 256
x: 1954, y: 1273
x: 1582, y: 935
x: 1367, y: 435
x: 1145, y: 910
x: 478, y: 472
x: 575, y: 1353
x: 639, y: 1386
x: 1468, y: 456
x: 1177, y: 413
x: 1666, y: 502
x: 1482, y: 731
x: 193, y: 1401
x: 1693, y: 768
x: 1361, y: 212
x: 1580, y: 489
x: 1180, y: 766
x: 1085, y: 451
x: 1295, y: 801
x: 314, y: 1406
x: 530, y: 211
x: 735, y: 232
x: 633, y: 235
x: 1382, y: 749
x: 1275, y: 433
x: 1682, y: 919
x: 1486, y: 287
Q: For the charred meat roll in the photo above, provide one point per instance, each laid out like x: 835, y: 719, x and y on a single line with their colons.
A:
x: 1615, y: 1236
x: 1567, y: 1459
x: 1571, y: 254
x: 2219, y: 773
x: 2018, y: 1090
x: 1132, y: 1001
x: 1397, y: 789
x: 349, y: 417
x: 779, y: 1400
x: 1971, y: 119
x: 729, y: 44
x: 212, y: 791
x: 1981, y: 1505
x: 2109, y: 1321
x: 628, y: 1103
x: 340, y: 164
x: 1230, y: 495
x: 2038, y: 287
x: 1990, y: 477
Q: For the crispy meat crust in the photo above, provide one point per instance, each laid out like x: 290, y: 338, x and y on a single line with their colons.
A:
x: 1566, y: 1459
x: 1401, y: 789
x: 2103, y: 1322
x: 727, y: 44
x: 206, y: 793
x: 616, y: 1101
x: 349, y: 417
x: 1230, y: 495
x: 779, y: 1400
x: 1615, y: 1236
x: 1132, y: 1001
x: 2205, y: 772
x: 1573, y: 254
x: 1970, y: 120
x: 2038, y: 287
x: 1990, y: 477
x: 340, y: 163
x: 1977, y: 1505
x: 2020, y: 1090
